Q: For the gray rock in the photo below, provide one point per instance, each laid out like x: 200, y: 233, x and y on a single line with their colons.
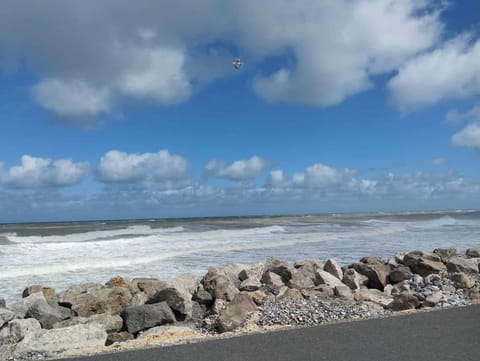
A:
x: 290, y: 294
x: 255, y: 271
x: 20, y: 308
x: 399, y: 256
x: 433, y: 299
x: 111, y: 300
x: 466, y: 265
x: 233, y: 272
x: 78, y: 337
x: 3, y: 304
x: 388, y: 290
x: 5, y: 316
x: 258, y: 296
x: 302, y: 278
x: 198, y: 312
x: 332, y: 267
x: 400, y: 274
x: 461, y: 280
x: 111, y: 323
x: 149, y: 286
x: 325, y: 278
x: 272, y: 281
x: 423, y: 263
x: 48, y: 315
x: 203, y: 297
x: 473, y: 252
x: 236, y: 312
x: 412, y: 258
x: 48, y: 293
x: 218, y: 306
x: 376, y: 273
x: 250, y: 284
x: 139, y: 299
x: 186, y: 282
x: 136, y: 319
x: 16, y: 330
x: 67, y: 297
x: 404, y: 301
x: 117, y: 337
x: 117, y: 281
x: 219, y: 284
x: 373, y: 295
x: 343, y: 292
x: 319, y: 292
x: 279, y: 267
x: 353, y: 279
x: 445, y: 253
x: 373, y: 260
x: 178, y: 299
x: 314, y: 264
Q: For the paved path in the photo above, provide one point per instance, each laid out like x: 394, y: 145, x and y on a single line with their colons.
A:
x: 448, y: 335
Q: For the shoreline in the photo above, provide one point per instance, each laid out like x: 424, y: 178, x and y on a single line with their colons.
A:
x: 235, y: 300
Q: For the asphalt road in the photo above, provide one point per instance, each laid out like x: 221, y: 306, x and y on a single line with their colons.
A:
x: 447, y: 335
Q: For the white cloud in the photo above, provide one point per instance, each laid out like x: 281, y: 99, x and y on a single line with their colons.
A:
x: 160, y: 52
x: 73, y: 98
x: 151, y: 169
x: 320, y: 176
x: 454, y: 116
x: 449, y: 72
x: 468, y: 136
x: 276, y: 179
x: 238, y: 170
x: 41, y: 172
x: 439, y: 161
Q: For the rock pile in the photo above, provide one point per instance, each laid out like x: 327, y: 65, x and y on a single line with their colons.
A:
x: 44, y: 323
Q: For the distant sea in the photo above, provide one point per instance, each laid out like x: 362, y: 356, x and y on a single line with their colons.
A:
x: 61, y: 254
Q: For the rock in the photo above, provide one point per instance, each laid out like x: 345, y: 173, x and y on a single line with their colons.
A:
x: 186, y: 282
x: 149, y: 286
x: 404, y: 301
x: 67, y: 297
x: 373, y: 260
x: 48, y: 315
x: 424, y: 267
x: 219, y: 284
x: 466, y: 265
x: 400, y: 274
x: 273, y: 281
x: 111, y: 323
x: 433, y: 299
x: 399, y: 256
x: 279, y: 267
x: 117, y: 281
x: 400, y: 287
x: 16, y: 330
x: 218, y: 306
x: 388, y: 290
x: 373, y: 295
x: 179, y: 300
x: 290, y: 294
x: 203, y: 297
x: 20, y: 308
x: 139, y: 299
x: 473, y: 252
x: 5, y: 316
x: 412, y: 258
x: 198, y: 312
x: 377, y: 274
x: 332, y: 267
x: 319, y: 292
x: 461, y: 280
x: 3, y: 304
x: 236, y: 312
x: 78, y: 337
x: 302, y: 278
x: 136, y: 319
x: 314, y: 264
x: 111, y: 300
x: 353, y: 279
x: 117, y: 337
x: 343, y: 292
x: 258, y: 296
x: 445, y: 253
x: 48, y: 293
x: 325, y: 278
x: 474, y: 295
x: 6, y: 352
x: 255, y: 271
x: 233, y: 271
x: 250, y: 284
x: 169, y: 334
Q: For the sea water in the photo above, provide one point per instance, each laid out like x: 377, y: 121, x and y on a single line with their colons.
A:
x: 62, y: 254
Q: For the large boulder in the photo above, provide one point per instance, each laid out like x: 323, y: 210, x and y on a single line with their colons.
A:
x: 332, y: 267
x: 424, y: 263
x: 315, y: 264
x: 111, y: 323
x: 250, y: 284
x: 399, y: 274
x: 343, y: 292
x: 139, y: 299
x: 68, y: 297
x: 136, y: 319
x: 281, y: 268
x: 5, y: 316
x: 149, y: 286
x: 117, y: 281
x: 461, y: 280
x: 302, y: 278
x: 111, y: 300
x: 373, y: 260
x: 256, y: 271
x: 473, y: 252
x: 445, y: 253
x: 353, y: 279
x: 320, y: 291
x: 460, y: 264
x: 292, y: 294
x: 374, y: 296
x: 376, y: 273
x: 117, y: 337
x: 412, y: 258
x: 78, y: 337
x: 404, y: 301
x: 16, y: 330
x: 203, y: 297
x: 236, y: 313
x: 21, y: 307
x: 219, y: 284
x: 325, y: 278
x: 233, y: 272
x: 48, y: 293
x: 169, y: 333
x: 179, y: 300
x: 186, y: 282
x: 272, y: 281
x: 433, y: 299
x: 48, y: 315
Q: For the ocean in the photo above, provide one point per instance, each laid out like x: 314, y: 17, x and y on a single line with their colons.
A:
x: 61, y: 254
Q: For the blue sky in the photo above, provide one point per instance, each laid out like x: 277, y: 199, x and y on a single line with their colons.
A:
x: 121, y: 110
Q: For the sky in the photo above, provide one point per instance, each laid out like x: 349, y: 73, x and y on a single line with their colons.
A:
x: 120, y: 109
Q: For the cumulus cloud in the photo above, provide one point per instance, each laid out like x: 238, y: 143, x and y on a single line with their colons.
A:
x: 239, y: 170
x: 320, y: 175
x: 42, y: 173
x: 89, y: 55
x: 468, y: 136
x: 151, y: 169
x: 454, y: 116
x: 449, y: 72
